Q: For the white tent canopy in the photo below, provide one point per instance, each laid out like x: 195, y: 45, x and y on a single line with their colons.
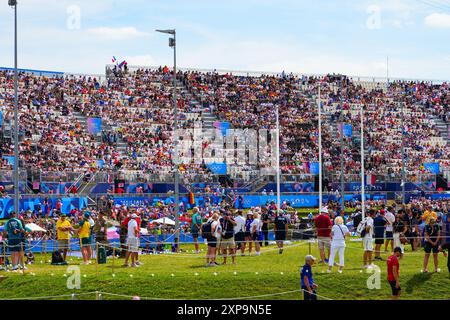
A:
x: 167, y: 221
x: 34, y: 227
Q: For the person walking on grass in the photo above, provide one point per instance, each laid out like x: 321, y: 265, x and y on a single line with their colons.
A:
x: 280, y: 229
x: 239, y: 232
x: 393, y: 271
x: 338, y: 234
x: 132, y: 242
x: 323, y: 226
x: 432, y: 237
x: 306, y: 280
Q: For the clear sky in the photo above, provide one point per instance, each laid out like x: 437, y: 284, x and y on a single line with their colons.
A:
x: 353, y: 37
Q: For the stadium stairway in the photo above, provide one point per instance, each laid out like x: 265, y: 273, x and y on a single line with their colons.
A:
x: 442, y: 127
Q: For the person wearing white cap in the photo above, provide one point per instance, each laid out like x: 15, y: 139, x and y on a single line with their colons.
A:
x: 132, y: 242
x: 323, y: 226
x: 306, y: 279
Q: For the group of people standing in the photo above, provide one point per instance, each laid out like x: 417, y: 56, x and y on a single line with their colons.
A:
x: 227, y: 232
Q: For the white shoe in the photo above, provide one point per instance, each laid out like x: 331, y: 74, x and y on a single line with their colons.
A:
x: 340, y: 271
x: 328, y: 271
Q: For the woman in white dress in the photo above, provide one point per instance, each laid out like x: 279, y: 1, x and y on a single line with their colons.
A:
x: 338, y: 234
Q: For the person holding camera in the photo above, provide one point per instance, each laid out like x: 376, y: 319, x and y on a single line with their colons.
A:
x: 227, y: 223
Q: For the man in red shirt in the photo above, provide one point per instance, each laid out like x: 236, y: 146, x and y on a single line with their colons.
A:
x: 393, y: 270
x: 323, y: 226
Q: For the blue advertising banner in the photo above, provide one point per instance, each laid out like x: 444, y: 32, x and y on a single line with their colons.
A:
x: 298, y: 201
x: 348, y: 130
x: 10, y: 160
x: 314, y: 168
x: 7, y: 205
x: 1, y: 119
x: 222, y: 126
x: 94, y: 125
x: 217, y: 168
x: 432, y: 167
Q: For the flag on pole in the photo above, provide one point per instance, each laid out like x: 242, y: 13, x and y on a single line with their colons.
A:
x: 370, y: 179
x: 114, y: 59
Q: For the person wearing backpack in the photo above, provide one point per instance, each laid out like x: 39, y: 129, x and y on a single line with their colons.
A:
x: 338, y: 234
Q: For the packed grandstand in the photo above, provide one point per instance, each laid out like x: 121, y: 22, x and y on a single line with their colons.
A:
x: 135, y: 107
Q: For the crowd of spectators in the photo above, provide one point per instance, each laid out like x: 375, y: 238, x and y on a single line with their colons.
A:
x: 136, y: 111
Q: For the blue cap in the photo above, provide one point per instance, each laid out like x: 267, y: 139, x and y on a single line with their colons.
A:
x: 87, y: 215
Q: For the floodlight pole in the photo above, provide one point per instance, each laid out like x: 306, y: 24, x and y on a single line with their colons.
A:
x: 278, y: 159
x: 403, y: 152
x: 341, y: 138
x: 363, y: 200
x: 173, y: 44
x: 319, y: 106
x: 13, y: 3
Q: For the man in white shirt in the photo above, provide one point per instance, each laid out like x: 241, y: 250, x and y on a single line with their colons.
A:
x: 389, y: 237
x: 132, y: 242
x: 255, y: 230
x: 239, y: 231
x: 368, y: 239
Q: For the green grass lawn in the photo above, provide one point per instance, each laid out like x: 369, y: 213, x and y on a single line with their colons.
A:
x: 184, y: 276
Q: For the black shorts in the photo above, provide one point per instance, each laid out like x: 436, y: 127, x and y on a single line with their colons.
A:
x: 379, y: 240
x: 248, y: 234
x: 280, y: 235
x: 239, y: 237
x: 194, y: 234
x: 395, y: 291
x: 15, y: 245
x: 255, y: 236
x: 428, y: 248
x: 389, y: 235
x: 212, y: 242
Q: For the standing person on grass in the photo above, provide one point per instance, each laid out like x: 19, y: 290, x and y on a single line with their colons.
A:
x: 368, y: 239
x: 255, y: 230
x: 84, y: 234
x: 379, y: 226
x: 432, y: 237
x: 239, y: 232
x: 63, y: 228
x: 338, y: 234
x: 248, y: 236
x: 132, y: 242
x: 306, y: 280
x: 227, y: 223
x: 393, y: 271
x: 323, y: 226
x: 280, y: 229
x: 14, y: 229
x: 195, y: 226
x: 389, y: 237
